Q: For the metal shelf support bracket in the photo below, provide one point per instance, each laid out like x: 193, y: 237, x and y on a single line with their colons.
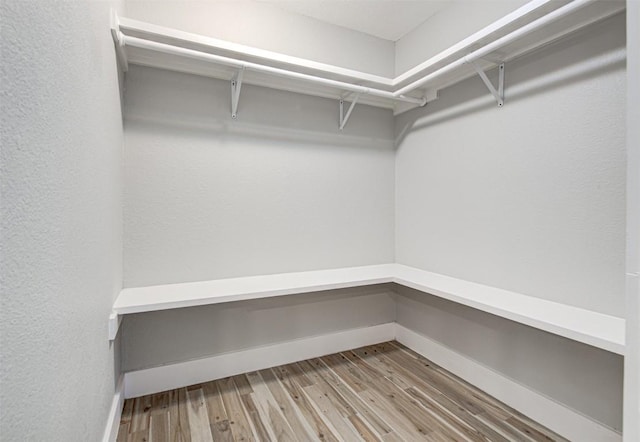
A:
x: 497, y: 93
x: 345, y: 117
x: 236, y: 85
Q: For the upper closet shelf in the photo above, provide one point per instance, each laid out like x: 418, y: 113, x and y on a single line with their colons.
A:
x: 535, y: 24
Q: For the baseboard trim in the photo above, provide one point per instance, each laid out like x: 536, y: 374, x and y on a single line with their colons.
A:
x: 115, y: 413
x: 167, y: 377
x: 564, y: 421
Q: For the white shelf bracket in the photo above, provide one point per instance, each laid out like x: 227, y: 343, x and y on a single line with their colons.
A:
x: 497, y: 93
x: 114, y: 325
x: 345, y: 117
x: 236, y: 85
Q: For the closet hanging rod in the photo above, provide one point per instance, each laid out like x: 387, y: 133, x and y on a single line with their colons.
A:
x: 497, y: 44
x: 204, y: 56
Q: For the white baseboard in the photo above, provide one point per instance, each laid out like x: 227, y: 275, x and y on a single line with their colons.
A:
x: 551, y: 414
x: 115, y: 413
x: 167, y: 377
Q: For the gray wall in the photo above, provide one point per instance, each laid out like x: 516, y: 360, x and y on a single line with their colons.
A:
x: 266, y: 26
x: 279, y: 190
x: 61, y: 241
x: 158, y: 338
x: 529, y: 197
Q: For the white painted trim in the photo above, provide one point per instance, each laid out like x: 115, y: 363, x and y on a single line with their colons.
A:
x: 115, y: 413
x: 562, y: 420
x: 167, y: 377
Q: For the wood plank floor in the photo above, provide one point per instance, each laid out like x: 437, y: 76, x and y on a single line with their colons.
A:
x: 383, y: 392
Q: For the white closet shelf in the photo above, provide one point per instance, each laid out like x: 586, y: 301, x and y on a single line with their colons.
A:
x: 531, y: 26
x: 169, y: 296
x: 589, y: 327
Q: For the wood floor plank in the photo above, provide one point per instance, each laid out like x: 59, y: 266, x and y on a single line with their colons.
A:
x: 500, y: 425
x: 140, y: 417
x: 531, y: 432
x: 123, y: 432
x: 357, y: 403
x: 451, y: 382
x: 198, y: 416
x: 410, y: 381
x: 293, y: 416
x: 241, y: 428
x: 401, y: 425
x: 221, y: 431
x: 395, y: 371
x: 326, y: 407
x: 455, y: 423
x: 159, y: 428
x: 218, y: 419
x: 392, y: 437
x: 269, y: 408
x: 347, y: 371
x: 419, y: 374
x: 423, y: 420
x: 242, y: 384
x: 216, y: 411
x: 183, y: 428
x: 541, y: 428
x: 127, y: 411
x: 364, y: 431
x: 290, y: 380
x: 139, y: 436
x: 316, y: 368
x: 261, y: 425
x: 383, y: 393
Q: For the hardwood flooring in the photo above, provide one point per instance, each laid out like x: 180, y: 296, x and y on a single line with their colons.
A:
x: 383, y: 392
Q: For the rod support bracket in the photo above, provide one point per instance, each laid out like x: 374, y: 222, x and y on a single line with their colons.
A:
x: 236, y: 86
x: 498, y: 93
x: 345, y: 117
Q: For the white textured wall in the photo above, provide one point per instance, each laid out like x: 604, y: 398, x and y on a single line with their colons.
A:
x: 267, y: 27
x: 632, y: 355
x: 279, y: 190
x: 529, y: 197
x: 61, y: 184
x: 159, y: 338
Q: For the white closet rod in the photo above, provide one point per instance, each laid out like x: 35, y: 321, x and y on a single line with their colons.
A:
x: 497, y: 44
x: 204, y: 56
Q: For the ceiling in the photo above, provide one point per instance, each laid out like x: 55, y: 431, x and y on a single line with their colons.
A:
x: 387, y: 19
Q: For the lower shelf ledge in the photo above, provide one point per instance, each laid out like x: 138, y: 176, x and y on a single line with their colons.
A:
x: 114, y: 325
x: 596, y: 329
x: 589, y: 327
